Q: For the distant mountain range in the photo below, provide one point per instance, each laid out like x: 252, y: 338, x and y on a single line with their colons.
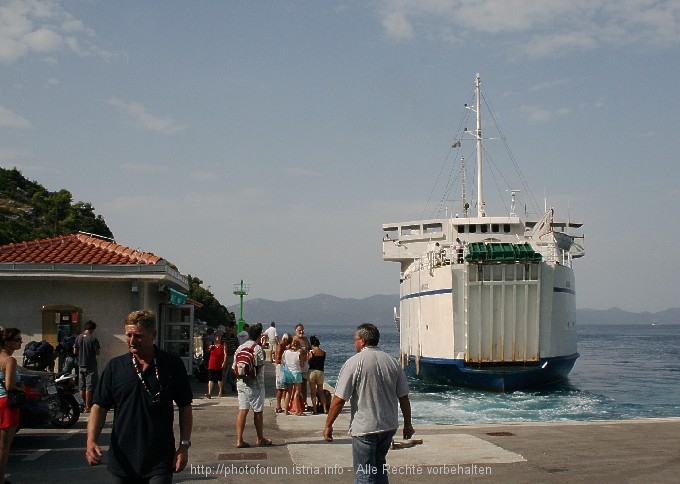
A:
x: 323, y: 309
x: 320, y: 310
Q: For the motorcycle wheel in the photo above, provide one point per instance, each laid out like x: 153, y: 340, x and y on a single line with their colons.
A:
x: 69, y: 413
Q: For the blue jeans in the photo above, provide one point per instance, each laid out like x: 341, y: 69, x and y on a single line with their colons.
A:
x: 368, y: 453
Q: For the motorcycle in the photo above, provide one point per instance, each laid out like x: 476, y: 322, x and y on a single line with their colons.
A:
x: 70, y: 401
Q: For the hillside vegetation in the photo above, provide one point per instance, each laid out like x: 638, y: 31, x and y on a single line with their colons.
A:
x: 28, y: 211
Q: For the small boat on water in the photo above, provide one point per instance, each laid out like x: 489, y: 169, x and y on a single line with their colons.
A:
x: 656, y: 322
x: 487, y: 302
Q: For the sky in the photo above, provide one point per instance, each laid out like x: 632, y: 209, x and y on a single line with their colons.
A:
x: 268, y: 141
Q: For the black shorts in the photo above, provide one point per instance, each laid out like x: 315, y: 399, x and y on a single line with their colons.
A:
x: 215, y: 375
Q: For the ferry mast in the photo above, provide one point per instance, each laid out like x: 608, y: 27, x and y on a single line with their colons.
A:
x: 481, y: 209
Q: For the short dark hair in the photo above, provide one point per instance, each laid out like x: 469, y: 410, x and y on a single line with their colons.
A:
x: 254, y: 332
x: 369, y: 333
x: 90, y: 325
x: 314, y: 341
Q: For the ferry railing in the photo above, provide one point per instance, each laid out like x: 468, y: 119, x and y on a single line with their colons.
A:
x: 428, y: 261
x: 552, y: 253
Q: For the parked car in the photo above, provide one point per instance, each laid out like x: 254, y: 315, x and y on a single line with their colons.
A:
x: 42, y: 398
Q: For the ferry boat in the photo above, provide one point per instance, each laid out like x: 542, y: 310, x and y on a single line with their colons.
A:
x: 487, y: 302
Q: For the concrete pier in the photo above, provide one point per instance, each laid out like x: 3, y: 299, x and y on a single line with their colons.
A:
x: 611, y: 451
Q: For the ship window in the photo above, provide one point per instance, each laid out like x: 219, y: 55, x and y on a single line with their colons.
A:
x: 390, y: 234
x: 531, y: 273
x: 510, y: 272
x: 410, y: 230
x: 484, y: 228
x: 495, y: 228
x: 429, y: 228
x: 534, y: 272
x: 472, y: 229
x: 506, y: 228
x: 486, y: 273
x: 461, y: 229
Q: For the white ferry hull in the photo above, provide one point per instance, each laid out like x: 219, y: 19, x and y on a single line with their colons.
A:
x: 486, y: 301
x: 501, y: 316
x: 493, y: 326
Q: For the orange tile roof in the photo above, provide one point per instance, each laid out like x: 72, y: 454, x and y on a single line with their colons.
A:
x: 74, y: 249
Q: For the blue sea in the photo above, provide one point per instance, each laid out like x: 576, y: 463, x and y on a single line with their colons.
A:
x: 624, y: 372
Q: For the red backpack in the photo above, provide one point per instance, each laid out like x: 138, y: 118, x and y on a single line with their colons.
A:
x: 244, y: 362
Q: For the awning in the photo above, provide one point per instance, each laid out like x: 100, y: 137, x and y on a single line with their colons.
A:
x: 177, y: 297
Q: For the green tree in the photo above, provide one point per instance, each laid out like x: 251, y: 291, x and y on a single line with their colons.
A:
x: 212, y: 312
x: 29, y: 212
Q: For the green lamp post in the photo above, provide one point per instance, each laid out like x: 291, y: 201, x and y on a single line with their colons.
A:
x: 241, y: 290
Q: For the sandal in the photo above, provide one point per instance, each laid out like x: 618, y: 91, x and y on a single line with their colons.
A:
x: 243, y: 445
x: 279, y: 410
x: 265, y: 443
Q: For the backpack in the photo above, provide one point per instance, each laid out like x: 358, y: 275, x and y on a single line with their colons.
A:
x: 244, y: 363
x: 39, y: 351
x: 66, y: 345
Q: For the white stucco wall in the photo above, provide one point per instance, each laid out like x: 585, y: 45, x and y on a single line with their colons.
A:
x: 105, y: 301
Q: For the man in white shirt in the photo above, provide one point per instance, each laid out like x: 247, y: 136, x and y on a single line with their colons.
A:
x: 374, y: 383
x: 251, y: 392
x: 273, y: 338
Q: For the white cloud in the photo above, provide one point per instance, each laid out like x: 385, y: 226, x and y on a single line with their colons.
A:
x: 549, y: 85
x: 397, y: 26
x: 10, y: 119
x: 546, y: 45
x: 42, y: 26
x: 141, y: 118
x: 537, y: 29
x: 539, y: 114
x: 43, y: 40
x: 535, y: 114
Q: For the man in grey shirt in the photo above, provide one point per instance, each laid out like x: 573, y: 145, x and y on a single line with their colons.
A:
x: 374, y: 383
x: 86, y: 349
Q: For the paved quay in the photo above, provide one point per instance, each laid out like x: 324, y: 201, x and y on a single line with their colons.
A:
x: 608, y: 451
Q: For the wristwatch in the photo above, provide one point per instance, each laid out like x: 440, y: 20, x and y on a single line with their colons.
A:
x: 185, y: 443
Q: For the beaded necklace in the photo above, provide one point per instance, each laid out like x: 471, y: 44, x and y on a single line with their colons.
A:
x: 154, y: 398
